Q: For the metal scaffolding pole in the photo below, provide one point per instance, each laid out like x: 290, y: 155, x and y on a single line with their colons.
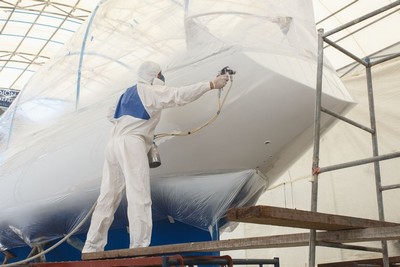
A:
x: 361, y: 162
x: 362, y: 127
x: 385, y: 59
x: 375, y: 151
x: 362, y: 18
x: 344, y: 51
x: 317, y: 134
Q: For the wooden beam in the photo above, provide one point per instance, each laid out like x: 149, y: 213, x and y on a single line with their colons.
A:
x: 300, y: 218
x: 346, y: 246
x: 276, y: 241
x: 369, y: 262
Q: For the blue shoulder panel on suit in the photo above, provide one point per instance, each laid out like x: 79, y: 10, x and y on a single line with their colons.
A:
x: 131, y: 104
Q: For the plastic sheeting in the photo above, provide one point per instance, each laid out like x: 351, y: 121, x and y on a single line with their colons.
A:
x: 199, y: 200
x: 101, y: 59
x: 203, y: 200
x: 53, y: 136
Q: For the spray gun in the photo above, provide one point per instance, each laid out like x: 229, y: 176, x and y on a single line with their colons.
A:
x: 226, y: 70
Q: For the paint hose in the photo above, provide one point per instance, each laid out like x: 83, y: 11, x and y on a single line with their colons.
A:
x: 211, y: 120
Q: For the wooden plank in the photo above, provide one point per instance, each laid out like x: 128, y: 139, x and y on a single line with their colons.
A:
x: 300, y: 218
x: 147, y: 261
x: 369, y: 262
x: 276, y: 241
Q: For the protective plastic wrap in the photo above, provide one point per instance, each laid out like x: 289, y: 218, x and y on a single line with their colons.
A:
x: 199, y: 200
x: 202, y: 200
x: 53, y: 136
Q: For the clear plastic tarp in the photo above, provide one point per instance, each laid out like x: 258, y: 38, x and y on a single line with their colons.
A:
x: 53, y: 136
x: 198, y: 200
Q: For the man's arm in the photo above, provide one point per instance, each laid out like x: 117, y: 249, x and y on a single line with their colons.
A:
x: 159, y: 97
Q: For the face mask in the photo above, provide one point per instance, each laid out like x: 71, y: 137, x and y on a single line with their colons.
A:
x: 157, y: 81
x: 161, y: 77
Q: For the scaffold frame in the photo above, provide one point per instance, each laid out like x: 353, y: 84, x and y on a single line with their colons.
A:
x: 376, y: 158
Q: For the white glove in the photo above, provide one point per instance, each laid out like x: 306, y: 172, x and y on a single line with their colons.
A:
x: 220, y: 81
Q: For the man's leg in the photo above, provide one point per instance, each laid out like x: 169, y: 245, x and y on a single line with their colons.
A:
x: 137, y: 178
x: 112, y: 187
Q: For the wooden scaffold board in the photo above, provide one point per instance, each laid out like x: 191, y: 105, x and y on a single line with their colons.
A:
x: 341, y: 229
x: 393, y: 261
x: 276, y: 241
x: 301, y: 218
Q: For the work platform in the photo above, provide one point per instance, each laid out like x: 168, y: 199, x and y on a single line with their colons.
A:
x: 163, y: 261
x: 393, y: 261
x: 301, y: 219
x: 341, y: 229
x: 333, y: 231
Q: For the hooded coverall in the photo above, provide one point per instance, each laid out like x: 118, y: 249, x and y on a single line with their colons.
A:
x: 126, y: 166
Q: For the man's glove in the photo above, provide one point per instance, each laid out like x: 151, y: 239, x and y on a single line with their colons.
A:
x: 219, y: 81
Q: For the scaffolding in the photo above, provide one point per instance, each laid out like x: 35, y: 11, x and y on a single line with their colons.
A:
x: 372, y: 129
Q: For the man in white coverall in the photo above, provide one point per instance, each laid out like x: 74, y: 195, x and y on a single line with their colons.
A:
x: 126, y: 164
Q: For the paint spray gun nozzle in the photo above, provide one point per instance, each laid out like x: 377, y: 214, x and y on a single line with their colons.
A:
x: 227, y: 70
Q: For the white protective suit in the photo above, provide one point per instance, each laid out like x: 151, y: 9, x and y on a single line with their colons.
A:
x: 126, y: 164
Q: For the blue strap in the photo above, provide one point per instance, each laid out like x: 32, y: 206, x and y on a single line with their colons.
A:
x: 130, y: 104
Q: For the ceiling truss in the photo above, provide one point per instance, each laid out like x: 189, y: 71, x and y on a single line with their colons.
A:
x: 31, y: 31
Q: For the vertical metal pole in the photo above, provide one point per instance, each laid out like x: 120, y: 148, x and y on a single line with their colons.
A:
x: 277, y: 262
x: 165, y: 261
x: 375, y: 151
x: 317, y: 135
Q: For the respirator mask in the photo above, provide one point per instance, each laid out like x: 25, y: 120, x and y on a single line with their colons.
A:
x: 159, y: 80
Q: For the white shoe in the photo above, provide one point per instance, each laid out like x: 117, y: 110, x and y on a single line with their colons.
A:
x: 90, y: 249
